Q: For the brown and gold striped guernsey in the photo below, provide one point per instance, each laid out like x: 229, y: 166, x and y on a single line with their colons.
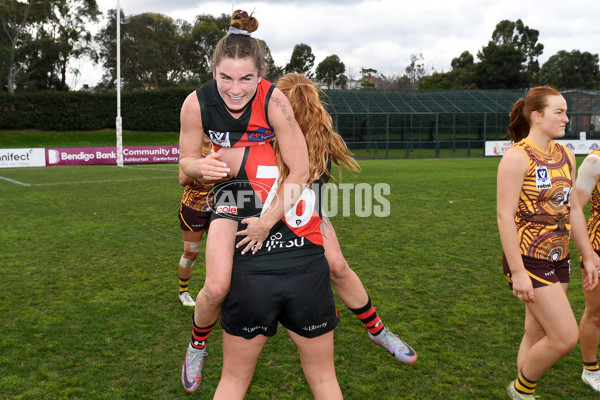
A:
x: 542, y: 217
x: 594, y: 221
x: 195, y: 194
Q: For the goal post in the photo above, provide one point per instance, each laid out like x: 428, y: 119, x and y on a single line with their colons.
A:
x: 119, y: 124
x: 119, y: 120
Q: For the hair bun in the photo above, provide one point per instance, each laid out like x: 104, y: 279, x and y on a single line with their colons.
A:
x: 241, y: 20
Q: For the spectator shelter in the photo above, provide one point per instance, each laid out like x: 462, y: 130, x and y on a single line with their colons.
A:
x: 584, y: 112
x: 439, y: 123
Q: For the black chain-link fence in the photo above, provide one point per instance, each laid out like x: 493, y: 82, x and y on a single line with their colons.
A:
x: 440, y: 123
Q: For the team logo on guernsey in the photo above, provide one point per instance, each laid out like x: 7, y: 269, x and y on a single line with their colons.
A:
x: 238, y: 199
x: 542, y: 178
x: 260, y: 135
x: 219, y: 138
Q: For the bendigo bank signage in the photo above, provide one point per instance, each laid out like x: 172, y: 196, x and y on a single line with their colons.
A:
x: 108, y: 155
x: 41, y: 157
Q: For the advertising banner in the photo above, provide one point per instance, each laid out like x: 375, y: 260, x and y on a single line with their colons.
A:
x: 16, y: 158
x: 498, y: 148
x: 108, y: 155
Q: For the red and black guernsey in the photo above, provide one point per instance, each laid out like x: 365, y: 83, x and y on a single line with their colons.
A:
x: 295, y: 240
x: 250, y: 129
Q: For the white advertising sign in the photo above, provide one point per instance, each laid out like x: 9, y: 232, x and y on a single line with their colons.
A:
x: 497, y: 148
x: 15, y: 158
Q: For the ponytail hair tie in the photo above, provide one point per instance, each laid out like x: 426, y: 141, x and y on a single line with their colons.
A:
x: 236, y: 31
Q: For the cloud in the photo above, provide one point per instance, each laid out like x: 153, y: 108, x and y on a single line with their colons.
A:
x: 383, y: 34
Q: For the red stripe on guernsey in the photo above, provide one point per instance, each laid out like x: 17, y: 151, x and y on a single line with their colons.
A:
x: 260, y: 156
x: 311, y: 231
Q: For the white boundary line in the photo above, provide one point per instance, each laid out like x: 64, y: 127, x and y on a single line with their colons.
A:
x: 13, y: 181
x: 76, y: 183
x: 102, y: 181
x: 98, y: 181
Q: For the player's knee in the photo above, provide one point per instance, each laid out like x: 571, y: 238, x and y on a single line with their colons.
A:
x: 188, y: 259
x: 338, y: 267
x: 568, y: 342
x: 190, y: 253
x: 215, y: 292
x: 186, y: 262
x: 593, y: 316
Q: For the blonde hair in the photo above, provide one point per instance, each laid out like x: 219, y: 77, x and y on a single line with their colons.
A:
x: 317, y: 126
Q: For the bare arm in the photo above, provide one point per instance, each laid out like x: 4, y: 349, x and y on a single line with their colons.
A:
x: 591, y: 261
x: 295, y: 155
x: 184, y: 180
x: 588, y: 177
x: 191, y: 138
x: 511, y: 172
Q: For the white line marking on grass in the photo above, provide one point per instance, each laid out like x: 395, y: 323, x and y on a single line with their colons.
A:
x: 13, y: 181
x: 101, y: 181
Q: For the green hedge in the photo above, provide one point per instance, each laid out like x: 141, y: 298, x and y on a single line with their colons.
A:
x: 156, y: 110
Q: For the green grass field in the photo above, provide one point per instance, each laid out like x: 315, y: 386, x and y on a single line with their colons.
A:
x: 89, y: 308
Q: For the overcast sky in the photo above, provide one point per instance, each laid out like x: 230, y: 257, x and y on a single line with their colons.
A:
x: 383, y: 34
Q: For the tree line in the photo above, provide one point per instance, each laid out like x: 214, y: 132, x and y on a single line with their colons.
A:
x: 39, y: 39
